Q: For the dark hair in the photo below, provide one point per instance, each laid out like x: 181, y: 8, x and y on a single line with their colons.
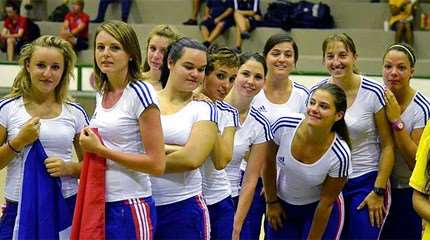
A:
x: 340, y: 104
x: 347, y: 42
x: 223, y: 56
x: 13, y: 5
x: 244, y: 57
x: 280, y: 38
x: 174, y: 52
x: 405, y: 48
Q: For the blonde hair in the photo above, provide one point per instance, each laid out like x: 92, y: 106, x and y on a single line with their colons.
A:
x: 124, y: 34
x: 22, y: 83
x: 162, y: 30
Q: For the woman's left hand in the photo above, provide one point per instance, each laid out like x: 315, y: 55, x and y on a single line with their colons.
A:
x: 56, y: 167
x: 375, y: 205
x: 392, y: 107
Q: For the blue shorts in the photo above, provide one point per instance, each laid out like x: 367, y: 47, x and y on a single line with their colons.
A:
x: 210, y: 24
x: 357, y: 223
x: 9, y: 212
x: 402, y: 222
x: 187, y: 219
x: 299, y: 221
x: 221, y: 218
x: 131, y: 219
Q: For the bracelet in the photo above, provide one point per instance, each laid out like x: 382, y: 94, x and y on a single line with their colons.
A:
x: 272, y: 202
x: 12, y: 148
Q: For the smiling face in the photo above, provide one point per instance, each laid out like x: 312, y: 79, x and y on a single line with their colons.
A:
x: 110, y: 55
x: 321, y: 110
x: 250, y: 78
x: 280, y: 59
x: 46, y: 67
x: 156, y: 50
x: 219, y: 82
x: 189, y: 70
x: 397, y: 70
x: 339, y: 60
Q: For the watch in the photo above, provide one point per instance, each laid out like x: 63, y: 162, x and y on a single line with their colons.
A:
x: 397, y: 125
x: 379, y: 191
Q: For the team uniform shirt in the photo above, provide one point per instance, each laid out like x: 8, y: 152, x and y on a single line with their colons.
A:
x: 360, y: 120
x: 253, y: 5
x: 14, y: 25
x: 218, y: 7
x: 420, y: 176
x: 254, y: 130
x: 56, y: 135
x: 75, y: 19
x: 174, y: 187
x: 416, y: 115
x: 299, y: 183
x: 216, y: 185
x: 296, y: 103
x: 120, y: 131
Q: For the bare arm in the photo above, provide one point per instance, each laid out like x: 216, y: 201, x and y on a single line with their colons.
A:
x: 65, y: 27
x: 195, y: 151
x: 225, y: 14
x: 421, y: 204
x: 222, y: 152
x: 152, y: 161
x: 330, y: 191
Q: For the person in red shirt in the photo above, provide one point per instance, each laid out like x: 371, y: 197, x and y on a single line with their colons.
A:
x: 11, y: 37
x: 75, y: 27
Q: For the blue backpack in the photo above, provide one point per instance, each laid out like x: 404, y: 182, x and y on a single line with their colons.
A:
x: 311, y: 15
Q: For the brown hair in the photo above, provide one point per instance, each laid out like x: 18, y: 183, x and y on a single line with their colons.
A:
x: 347, y: 42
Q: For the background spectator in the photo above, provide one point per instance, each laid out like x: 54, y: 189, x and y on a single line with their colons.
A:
x: 103, y: 5
x: 218, y: 18
x: 13, y: 30
x: 196, y: 9
x: 75, y: 27
x: 247, y: 14
x: 401, y: 20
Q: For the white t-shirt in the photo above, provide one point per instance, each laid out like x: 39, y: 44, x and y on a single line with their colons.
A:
x: 416, y: 115
x: 360, y: 119
x: 56, y: 136
x: 119, y: 128
x: 174, y: 187
x: 254, y: 130
x: 299, y: 183
x: 296, y: 103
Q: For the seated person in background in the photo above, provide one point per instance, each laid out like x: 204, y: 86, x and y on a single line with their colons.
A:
x: 401, y: 19
x: 75, y: 27
x: 104, y: 4
x: 14, y: 27
x: 196, y: 9
x: 218, y: 18
x: 247, y: 15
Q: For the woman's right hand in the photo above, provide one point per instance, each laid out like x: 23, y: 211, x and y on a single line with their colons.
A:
x: 275, y: 215
x: 28, y: 133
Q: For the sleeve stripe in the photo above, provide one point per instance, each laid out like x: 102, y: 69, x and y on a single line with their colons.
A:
x: 301, y: 87
x: 313, y: 89
x: 290, y: 121
x: 263, y: 121
x: 143, y: 93
x: 82, y: 110
x: 6, y: 101
x: 225, y: 107
x: 213, y: 112
x: 424, y: 104
x: 342, y: 155
x: 378, y: 92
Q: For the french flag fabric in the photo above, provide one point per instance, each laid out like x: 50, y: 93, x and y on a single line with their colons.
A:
x: 89, y: 216
x: 42, y: 209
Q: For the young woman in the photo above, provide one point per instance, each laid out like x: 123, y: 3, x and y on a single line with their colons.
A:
x: 408, y: 112
x: 367, y: 195
x: 250, y: 141
x: 220, y: 72
x: 281, y: 94
x: 128, y: 119
x: 39, y: 107
x: 247, y: 16
x: 160, y: 37
x: 420, y: 181
x: 189, y: 129
x: 310, y: 179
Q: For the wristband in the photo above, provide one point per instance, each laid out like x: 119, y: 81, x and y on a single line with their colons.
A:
x: 12, y: 148
x: 397, y: 125
x: 379, y: 191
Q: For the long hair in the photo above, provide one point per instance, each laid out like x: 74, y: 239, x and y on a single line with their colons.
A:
x: 22, y: 83
x: 280, y: 38
x: 163, y: 30
x: 340, y: 104
x: 347, y: 42
x: 175, y: 52
x: 126, y: 35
